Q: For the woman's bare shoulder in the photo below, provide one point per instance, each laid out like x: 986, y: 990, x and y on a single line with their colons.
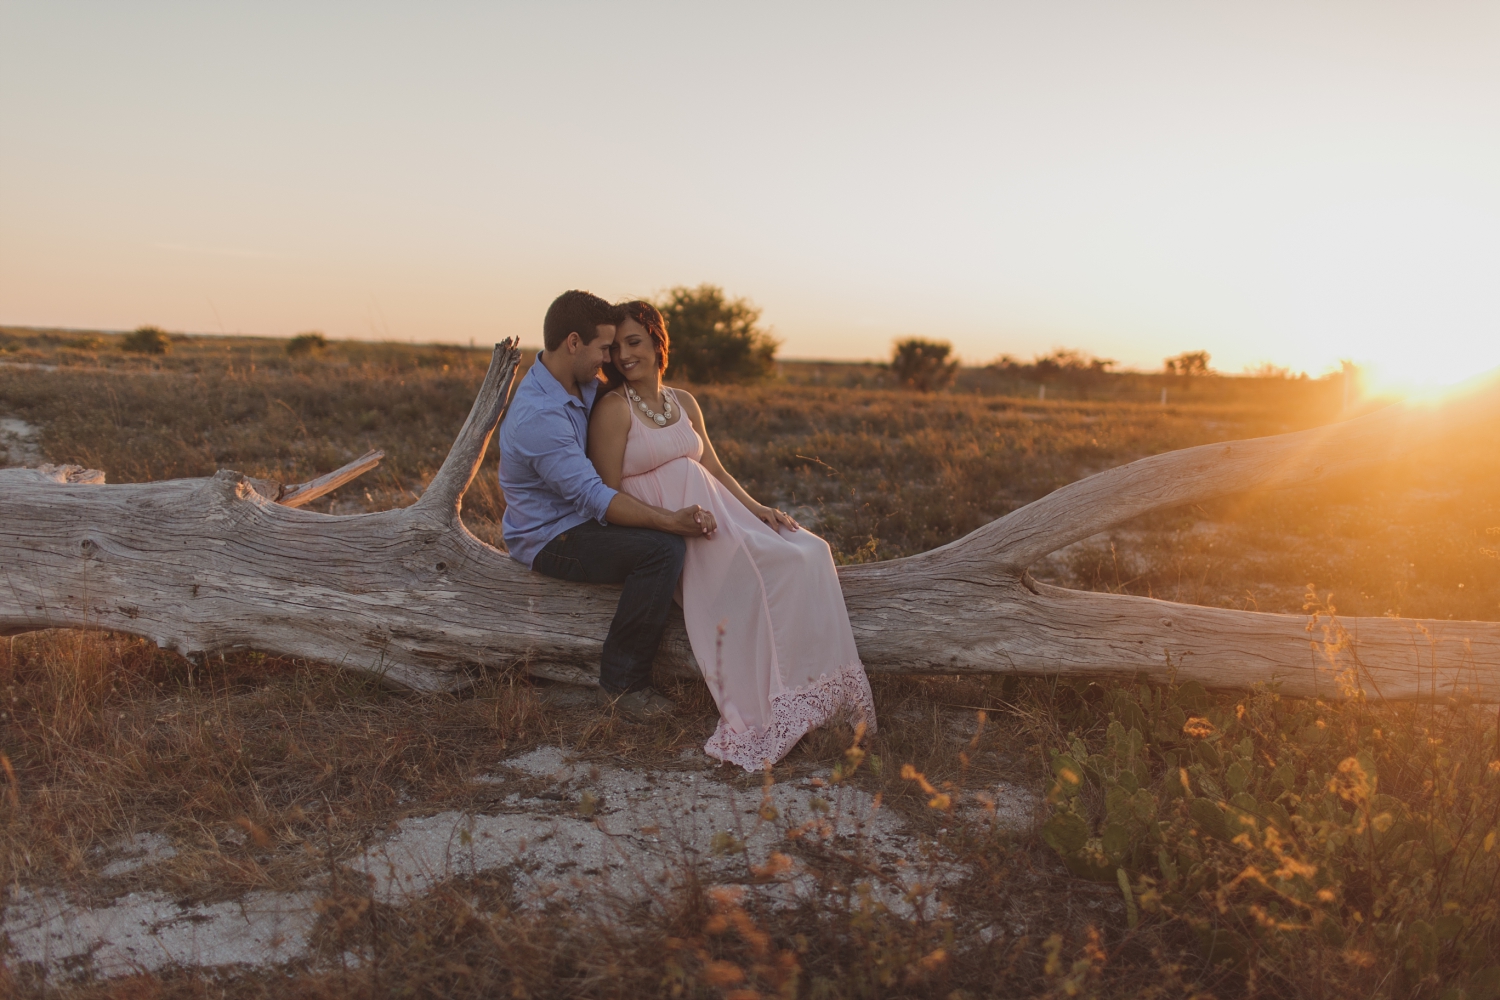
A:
x: 612, y: 408
x: 686, y: 400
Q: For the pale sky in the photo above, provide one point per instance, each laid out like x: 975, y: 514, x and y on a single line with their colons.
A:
x: 1284, y: 182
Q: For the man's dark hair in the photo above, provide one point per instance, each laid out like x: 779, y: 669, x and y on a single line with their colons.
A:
x: 577, y: 312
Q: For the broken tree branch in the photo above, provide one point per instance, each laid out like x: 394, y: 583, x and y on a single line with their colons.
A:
x: 297, y: 496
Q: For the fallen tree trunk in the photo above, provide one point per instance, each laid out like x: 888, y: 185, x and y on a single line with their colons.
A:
x: 204, y: 565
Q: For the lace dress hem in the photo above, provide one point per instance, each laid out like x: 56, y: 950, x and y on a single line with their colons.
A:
x: 845, y: 692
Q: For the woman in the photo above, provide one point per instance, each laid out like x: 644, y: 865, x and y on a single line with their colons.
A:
x: 760, y: 595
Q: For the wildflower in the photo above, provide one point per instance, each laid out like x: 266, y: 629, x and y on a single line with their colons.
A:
x: 1352, y: 783
x: 723, y: 973
x: 726, y: 895
x: 938, y: 800
x: 775, y: 865
x: 1199, y: 728
x: 1052, y: 947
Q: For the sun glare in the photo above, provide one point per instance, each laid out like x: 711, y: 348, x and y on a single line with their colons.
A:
x: 1426, y: 369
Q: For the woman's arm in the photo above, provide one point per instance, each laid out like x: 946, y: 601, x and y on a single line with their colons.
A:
x: 775, y: 518
x: 609, y: 426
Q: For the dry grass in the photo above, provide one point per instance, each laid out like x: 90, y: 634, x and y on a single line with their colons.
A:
x: 269, y: 773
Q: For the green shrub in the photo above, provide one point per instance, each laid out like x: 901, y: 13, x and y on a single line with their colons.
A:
x: 715, y: 339
x: 311, y: 342
x: 1284, y: 835
x: 923, y: 365
x: 147, y: 340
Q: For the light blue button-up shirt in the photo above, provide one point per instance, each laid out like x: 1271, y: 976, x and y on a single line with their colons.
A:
x: 550, y: 485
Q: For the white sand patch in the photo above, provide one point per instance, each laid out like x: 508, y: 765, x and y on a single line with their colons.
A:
x: 588, y: 836
x: 621, y: 835
x: 18, y: 445
x: 148, y: 931
x: 138, y: 852
x: 1008, y: 807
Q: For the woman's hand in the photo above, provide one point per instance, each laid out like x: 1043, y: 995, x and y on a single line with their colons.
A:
x: 777, y: 519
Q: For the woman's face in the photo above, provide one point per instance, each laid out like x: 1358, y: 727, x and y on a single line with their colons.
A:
x: 634, y: 352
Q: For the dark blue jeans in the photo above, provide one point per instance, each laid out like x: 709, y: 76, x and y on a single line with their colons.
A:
x: 648, y: 563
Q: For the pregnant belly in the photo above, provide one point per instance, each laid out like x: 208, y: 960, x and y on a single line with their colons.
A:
x: 672, y: 485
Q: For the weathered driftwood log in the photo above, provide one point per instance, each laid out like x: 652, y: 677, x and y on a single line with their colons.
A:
x: 203, y: 565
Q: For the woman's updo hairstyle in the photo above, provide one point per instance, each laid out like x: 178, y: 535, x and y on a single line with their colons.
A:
x: 655, y: 324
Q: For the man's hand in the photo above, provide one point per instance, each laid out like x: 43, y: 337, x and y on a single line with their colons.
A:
x: 693, y: 521
x: 690, y: 521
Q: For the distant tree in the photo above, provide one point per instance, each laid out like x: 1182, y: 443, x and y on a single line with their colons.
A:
x: 1267, y: 370
x: 311, y: 342
x: 1189, y: 363
x: 1062, y: 365
x: 714, y: 338
x: 147, y: 340
x: 923, y: 365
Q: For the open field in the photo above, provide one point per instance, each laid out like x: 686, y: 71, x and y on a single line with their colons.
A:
x: 1070, y: 840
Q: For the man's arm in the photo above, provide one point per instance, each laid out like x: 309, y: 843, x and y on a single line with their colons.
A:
x: 549, y: 444
x: 553, y: 451
x: 626, y: 510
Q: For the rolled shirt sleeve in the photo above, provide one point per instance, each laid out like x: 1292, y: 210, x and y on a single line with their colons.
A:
x: 552, y: 448
x: 549, y: 483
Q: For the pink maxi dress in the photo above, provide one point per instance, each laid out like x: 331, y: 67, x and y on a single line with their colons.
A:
x: 763, y: 608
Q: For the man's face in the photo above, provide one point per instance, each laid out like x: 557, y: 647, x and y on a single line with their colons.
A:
x: 589, y: 358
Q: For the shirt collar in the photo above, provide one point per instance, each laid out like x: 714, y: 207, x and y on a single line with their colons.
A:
x: 553, y: 388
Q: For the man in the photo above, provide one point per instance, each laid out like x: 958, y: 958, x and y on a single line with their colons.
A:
x: 560, y: 518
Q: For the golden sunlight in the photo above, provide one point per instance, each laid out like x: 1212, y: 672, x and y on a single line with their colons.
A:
x: 1427, y: 368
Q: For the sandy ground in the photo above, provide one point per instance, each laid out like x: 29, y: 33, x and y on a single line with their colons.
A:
x: 18, y: 446
x: 588, y: 836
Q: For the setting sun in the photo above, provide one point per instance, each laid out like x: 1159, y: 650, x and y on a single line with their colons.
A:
x: 1408, y: 370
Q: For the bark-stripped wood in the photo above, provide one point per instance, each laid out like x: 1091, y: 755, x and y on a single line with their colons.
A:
x: 203, y: 565
x: 305, y: 493
x: 300, y: 496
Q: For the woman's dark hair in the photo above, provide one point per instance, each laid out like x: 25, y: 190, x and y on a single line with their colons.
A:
x: 655, y: 323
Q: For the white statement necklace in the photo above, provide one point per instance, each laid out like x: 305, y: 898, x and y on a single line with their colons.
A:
x: 660, y: 418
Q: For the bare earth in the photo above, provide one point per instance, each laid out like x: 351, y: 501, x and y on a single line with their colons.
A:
x: 616, y: 835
